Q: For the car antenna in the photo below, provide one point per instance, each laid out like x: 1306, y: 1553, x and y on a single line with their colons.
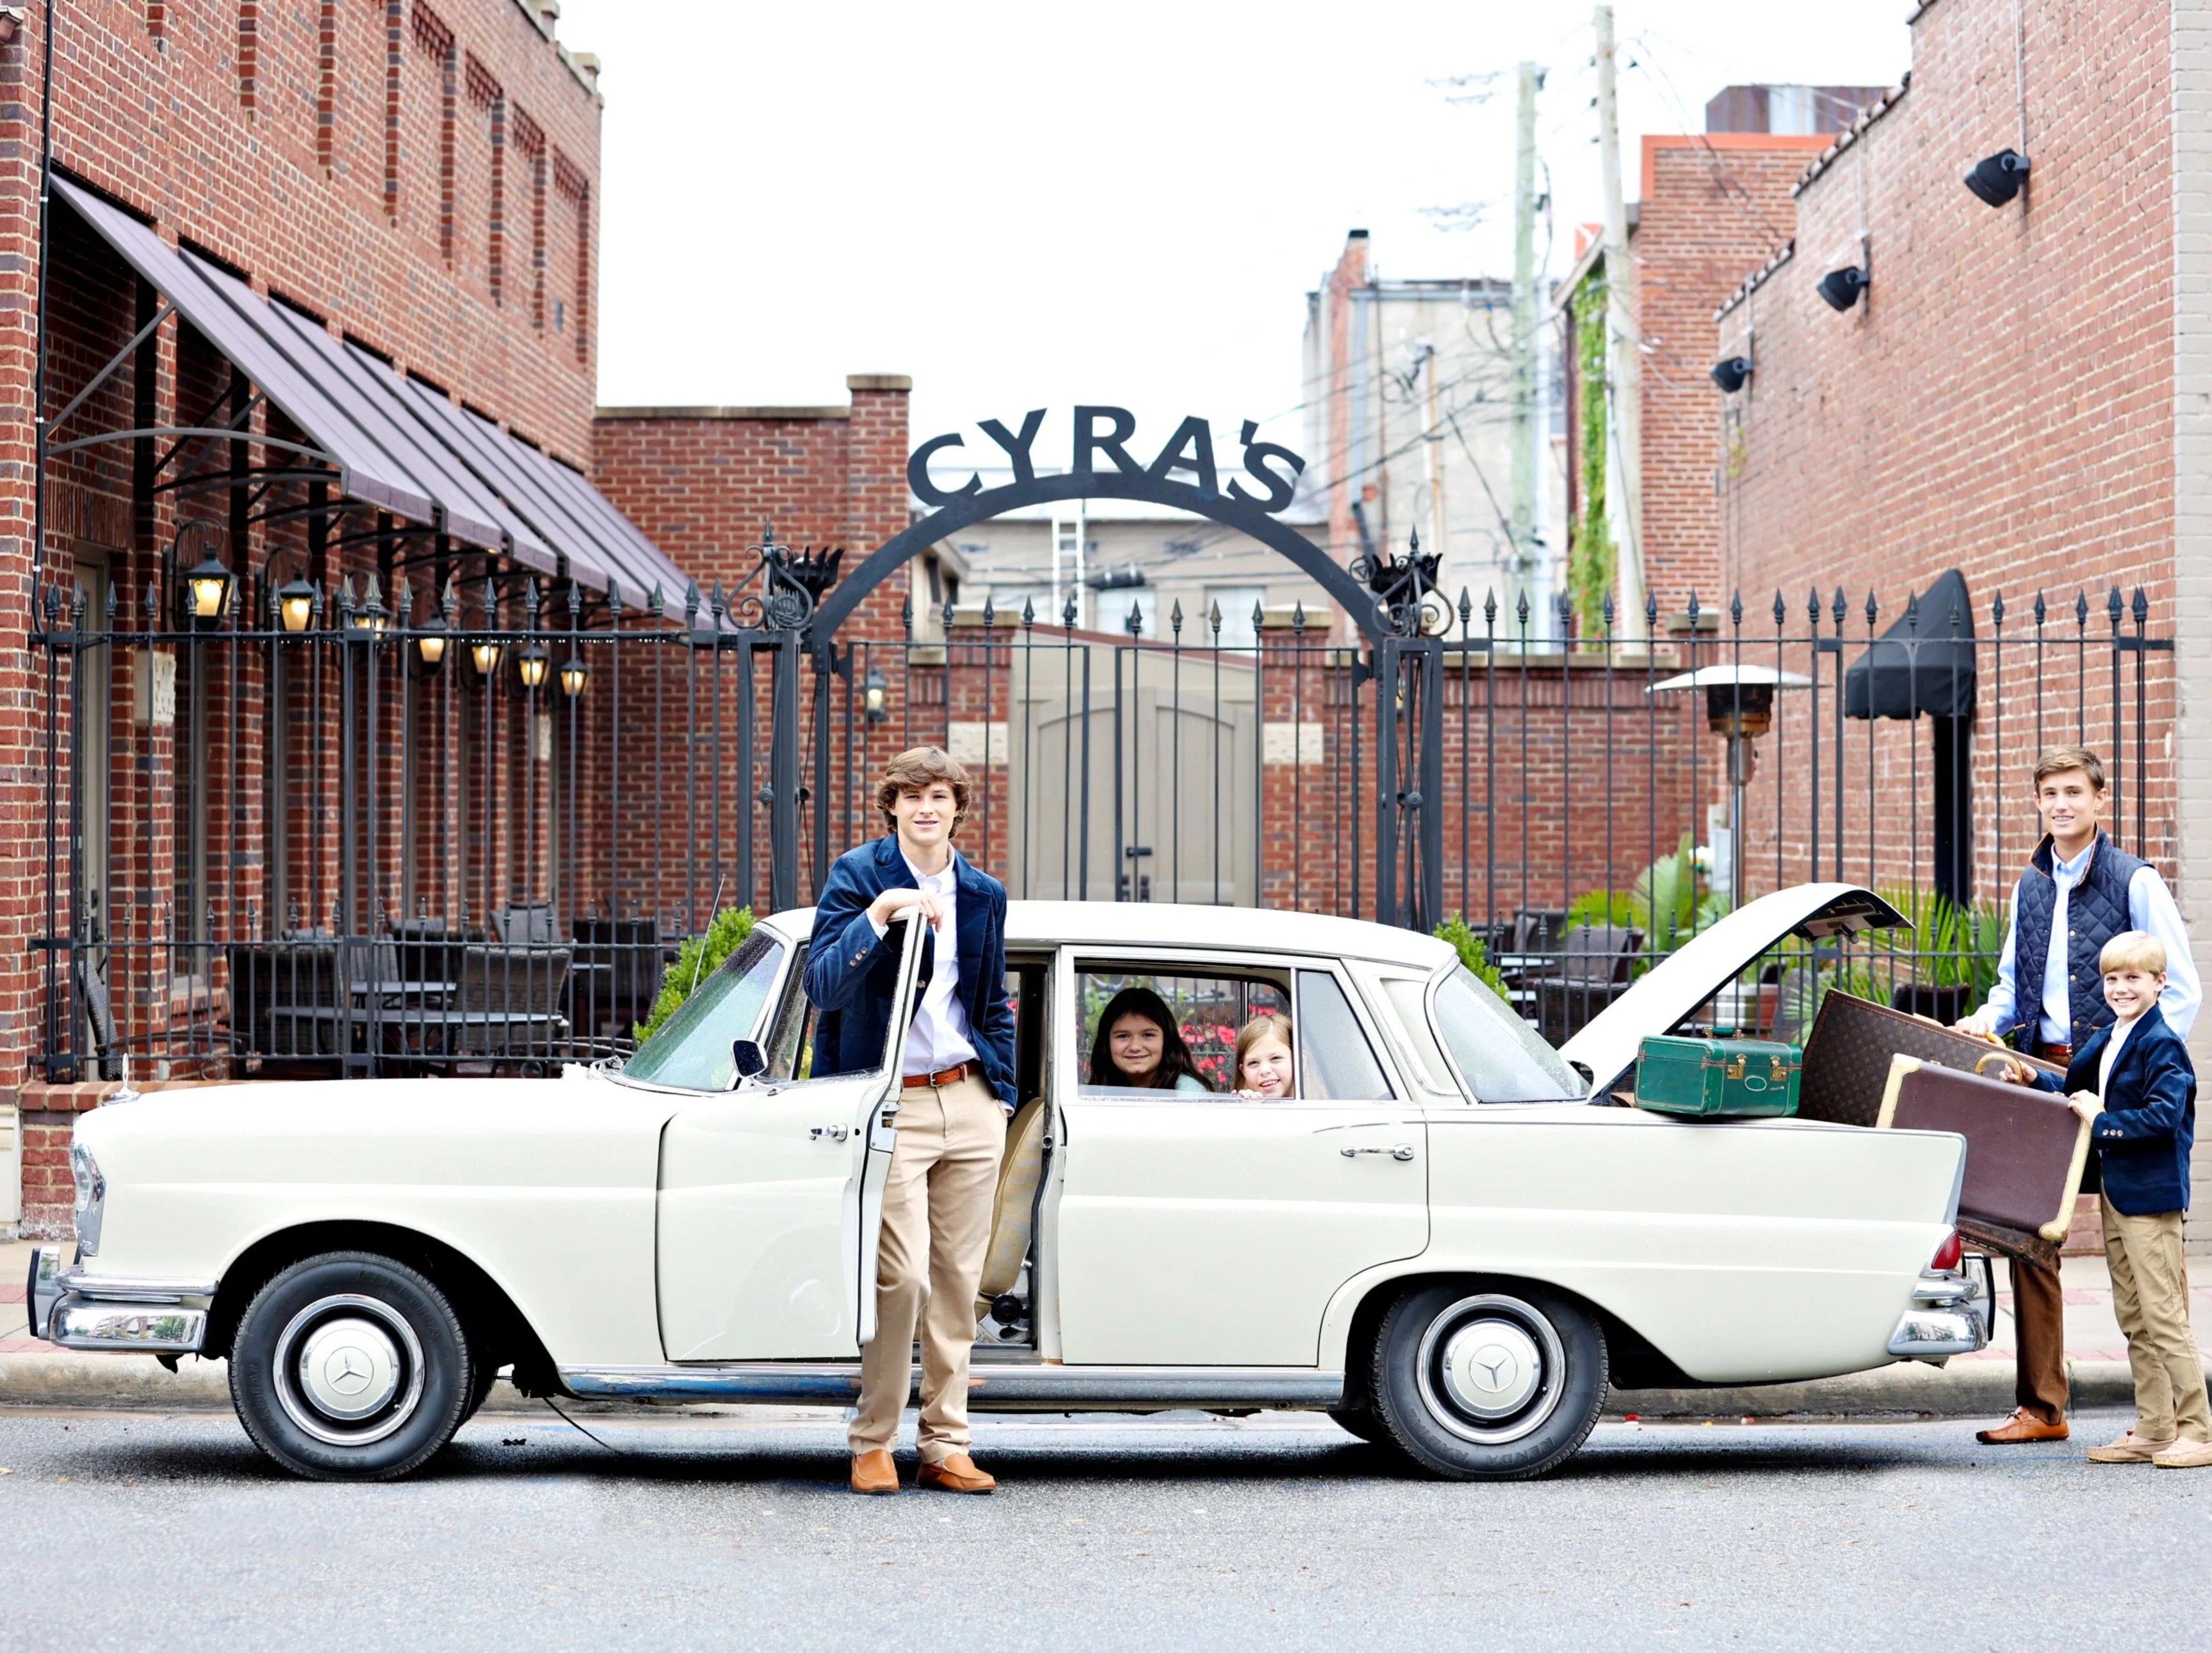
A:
x: 700, y: 963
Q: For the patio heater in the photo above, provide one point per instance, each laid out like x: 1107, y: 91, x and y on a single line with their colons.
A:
x: 1739, y: 708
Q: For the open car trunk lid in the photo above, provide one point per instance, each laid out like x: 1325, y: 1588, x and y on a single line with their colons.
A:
x: 1710, y: 961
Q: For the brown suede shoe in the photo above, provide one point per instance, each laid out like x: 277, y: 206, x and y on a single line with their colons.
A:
x: 2022, y: 1425
x: 874, y: 1472
x: 955, y: 1473
x: 2186, y: 1455
x: 2130, y: 1448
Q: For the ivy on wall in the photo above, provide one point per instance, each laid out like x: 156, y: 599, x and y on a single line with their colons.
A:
x: 1589, y: 548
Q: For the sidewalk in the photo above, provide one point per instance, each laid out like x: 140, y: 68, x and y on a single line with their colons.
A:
x: 35, y: 1373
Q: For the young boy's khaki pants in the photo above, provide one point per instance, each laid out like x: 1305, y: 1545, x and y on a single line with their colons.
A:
x: 2150, y: 1295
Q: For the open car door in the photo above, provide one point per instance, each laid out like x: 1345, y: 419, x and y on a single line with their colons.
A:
x: 770, y: 1204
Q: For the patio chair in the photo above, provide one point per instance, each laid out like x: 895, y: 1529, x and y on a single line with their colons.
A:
x: 508, y: 1007
x: 1596, y: 964
x: 285, y: 1000
x: 615, y: 974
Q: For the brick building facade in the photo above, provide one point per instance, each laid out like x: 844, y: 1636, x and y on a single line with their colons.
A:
x: 416, y: 184
x: 2019, y: 395
x: 1714, y: 204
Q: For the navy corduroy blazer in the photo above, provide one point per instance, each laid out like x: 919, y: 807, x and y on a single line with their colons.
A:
x: 852, y: 974
x: 2143, y: 1136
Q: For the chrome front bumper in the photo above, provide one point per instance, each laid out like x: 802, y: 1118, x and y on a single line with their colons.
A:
x: 1951, y: 1315
x: 75, y: 1309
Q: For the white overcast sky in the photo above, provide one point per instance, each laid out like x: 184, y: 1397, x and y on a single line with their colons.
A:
x: 1032, y: 205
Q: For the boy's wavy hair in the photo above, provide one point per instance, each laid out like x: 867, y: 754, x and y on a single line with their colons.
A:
x: 912, y: 769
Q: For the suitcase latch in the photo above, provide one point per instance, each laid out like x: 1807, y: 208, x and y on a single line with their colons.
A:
x: 1734, y: 1069
x: 1781, y: 1070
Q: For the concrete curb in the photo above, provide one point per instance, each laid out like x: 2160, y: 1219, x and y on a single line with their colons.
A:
x: 59, y: 1378
x: 1969, y: 1389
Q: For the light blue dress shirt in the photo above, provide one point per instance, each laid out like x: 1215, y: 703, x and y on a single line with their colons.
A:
x: 2150, y: 909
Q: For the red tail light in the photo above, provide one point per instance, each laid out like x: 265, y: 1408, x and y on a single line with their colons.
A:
x: 1946, y: 1255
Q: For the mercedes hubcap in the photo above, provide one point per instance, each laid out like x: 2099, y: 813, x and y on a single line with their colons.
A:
x: 348, y: 1370
x: 1491, y: 1369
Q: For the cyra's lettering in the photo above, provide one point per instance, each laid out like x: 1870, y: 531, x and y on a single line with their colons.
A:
x: 1104, y: 433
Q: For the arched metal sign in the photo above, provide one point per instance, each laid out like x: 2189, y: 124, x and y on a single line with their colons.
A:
x: 1384, y: 599
x: 1101, y: 467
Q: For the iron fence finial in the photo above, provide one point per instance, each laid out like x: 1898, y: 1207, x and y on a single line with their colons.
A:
x: 2040, y: 609
x: 1997, y: 608
x: 1781, y: 612
x: 2142, y: 606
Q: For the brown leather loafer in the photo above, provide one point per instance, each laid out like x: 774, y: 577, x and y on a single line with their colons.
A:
x: 955, y: 1473
x: 874, y: 1472
x: 2022, y: 1425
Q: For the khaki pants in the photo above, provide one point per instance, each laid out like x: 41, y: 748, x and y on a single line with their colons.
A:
x: 2150, y: 1297
x: 936, y: 1223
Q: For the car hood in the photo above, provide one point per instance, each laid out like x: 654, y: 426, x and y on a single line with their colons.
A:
x: 1713, y: 958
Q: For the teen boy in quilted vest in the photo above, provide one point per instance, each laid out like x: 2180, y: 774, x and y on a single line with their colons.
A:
x: 2079, y: 890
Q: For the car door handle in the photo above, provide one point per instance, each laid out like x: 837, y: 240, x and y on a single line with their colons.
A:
x: 1396, y: 1151
x: 835, y: 1132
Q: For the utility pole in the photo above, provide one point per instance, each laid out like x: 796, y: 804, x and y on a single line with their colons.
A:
x: 1625, y: 378
x: 1523, y: 522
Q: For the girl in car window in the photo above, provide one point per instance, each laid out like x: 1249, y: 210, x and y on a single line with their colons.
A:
x: 1265, y: 1069
x: 1139, y: 1047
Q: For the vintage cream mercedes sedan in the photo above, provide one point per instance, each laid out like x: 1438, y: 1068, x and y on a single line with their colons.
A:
x: 1451, y: 1239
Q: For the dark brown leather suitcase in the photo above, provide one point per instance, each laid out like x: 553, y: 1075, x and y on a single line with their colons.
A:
x: 1847, y: 1057
x: 2025, y: 1152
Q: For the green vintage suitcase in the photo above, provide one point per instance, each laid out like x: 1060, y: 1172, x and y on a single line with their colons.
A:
x: 1718, y: 1078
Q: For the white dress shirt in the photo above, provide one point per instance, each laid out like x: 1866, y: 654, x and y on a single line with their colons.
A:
x: 938, y: 1037
x: 2150, y: 909
x: 2120, y: 1031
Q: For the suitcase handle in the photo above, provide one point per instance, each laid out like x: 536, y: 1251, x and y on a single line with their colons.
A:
x: 2013, y: 1069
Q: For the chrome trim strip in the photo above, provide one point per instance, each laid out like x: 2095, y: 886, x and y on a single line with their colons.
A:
x: 147, y: 1328
x: 122, y: 1288
x: 992, y: 1388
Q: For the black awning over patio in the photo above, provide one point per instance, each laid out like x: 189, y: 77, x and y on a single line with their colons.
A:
x: 396, y: 443
x: 1924, y: 664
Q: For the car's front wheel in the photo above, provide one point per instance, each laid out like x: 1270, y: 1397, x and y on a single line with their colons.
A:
x: 350, y: 1366
x: 1487, y: 1382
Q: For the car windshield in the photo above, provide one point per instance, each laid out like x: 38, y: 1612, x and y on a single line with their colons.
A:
x: 692, y: 1050
x: 1499, y: 1057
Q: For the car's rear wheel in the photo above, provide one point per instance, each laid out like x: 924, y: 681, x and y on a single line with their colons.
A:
x: 1481, y: 1382
x: 350, y: 1366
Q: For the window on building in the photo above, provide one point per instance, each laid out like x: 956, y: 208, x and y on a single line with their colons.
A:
x: 1235, y: 604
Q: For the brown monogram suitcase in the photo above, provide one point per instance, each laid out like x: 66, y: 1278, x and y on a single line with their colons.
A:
x: 1847, y: 1057
x: 2025, y: 1152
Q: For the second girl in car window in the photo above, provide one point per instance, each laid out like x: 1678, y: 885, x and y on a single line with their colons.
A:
x: 1265, y: 1068
x: 1139, y: 1047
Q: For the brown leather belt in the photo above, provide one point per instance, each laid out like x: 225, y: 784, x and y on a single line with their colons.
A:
x: 2055, y: 1053
x: 951, y: 1075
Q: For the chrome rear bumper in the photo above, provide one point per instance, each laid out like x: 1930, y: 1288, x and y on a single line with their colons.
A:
x: 75, y: 1309
x: 1951, y: 1315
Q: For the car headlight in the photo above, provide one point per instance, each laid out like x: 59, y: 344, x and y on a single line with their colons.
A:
x: 91, y: 1198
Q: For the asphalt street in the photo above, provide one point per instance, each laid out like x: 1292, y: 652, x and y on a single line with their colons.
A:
x: 133, y: 1529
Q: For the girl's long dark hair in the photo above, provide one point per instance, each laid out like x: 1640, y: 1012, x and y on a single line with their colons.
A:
x: 1175, y: 1059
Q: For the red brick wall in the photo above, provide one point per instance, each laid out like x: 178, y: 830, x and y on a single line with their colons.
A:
x: 2001, y: 399
x: 1715, y: 205
x: 702, y: 482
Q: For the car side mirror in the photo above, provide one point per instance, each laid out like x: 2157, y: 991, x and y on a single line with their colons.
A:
x: 750, y: 1062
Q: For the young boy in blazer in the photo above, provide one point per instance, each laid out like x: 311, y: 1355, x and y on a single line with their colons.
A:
x: 2134, y: 1082
x: 957, y: 1090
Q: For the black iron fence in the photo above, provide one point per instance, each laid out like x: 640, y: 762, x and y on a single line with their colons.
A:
x: 463, y: 827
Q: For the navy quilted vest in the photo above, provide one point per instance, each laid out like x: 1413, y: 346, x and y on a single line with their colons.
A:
x: 2096, y: 911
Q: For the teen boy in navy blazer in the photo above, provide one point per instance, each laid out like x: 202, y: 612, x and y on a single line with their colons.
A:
x: 956, y: 1076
